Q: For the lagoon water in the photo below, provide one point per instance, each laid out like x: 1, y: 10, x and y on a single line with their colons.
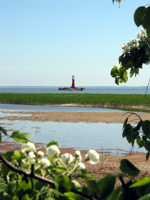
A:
x: 107, y: 137
x: 82, y: 136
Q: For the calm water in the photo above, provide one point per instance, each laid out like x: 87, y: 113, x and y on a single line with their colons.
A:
x: 89, y: 89
x: 82, y: 136
x: 12, y: 107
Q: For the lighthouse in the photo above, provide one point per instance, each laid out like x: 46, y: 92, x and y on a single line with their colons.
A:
x: 73, y: 87
x: 73, y: 81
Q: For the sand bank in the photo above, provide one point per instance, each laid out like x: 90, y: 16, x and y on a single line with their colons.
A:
x: 107, y: 117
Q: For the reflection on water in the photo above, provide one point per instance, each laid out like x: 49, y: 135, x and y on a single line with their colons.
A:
x: 81, y: 135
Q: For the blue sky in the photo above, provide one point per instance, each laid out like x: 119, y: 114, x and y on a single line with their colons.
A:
x: 44, y: 43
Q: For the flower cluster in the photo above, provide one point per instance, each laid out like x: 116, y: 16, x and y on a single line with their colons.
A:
x: 129, y: 45
x: 133, y: 43
x: 142, y: 34
x: 134, y: 53
x: 72, y: 165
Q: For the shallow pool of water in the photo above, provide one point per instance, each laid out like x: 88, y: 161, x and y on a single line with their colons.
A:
x: 54, y: 108
x: 83, y: 136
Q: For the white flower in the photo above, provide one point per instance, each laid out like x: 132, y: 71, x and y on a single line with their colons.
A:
x: 52, y: 150
x: 129, y: 45
x: 40, y: 154
x: 25, y: 163
x: 67, y: 158
x: 142, y: 34
x: 31, y: 155
x: 44, y: 162
x: 27, y: 147
x: 80, y: 166
x: 92, y: 157
x: 78, y: 155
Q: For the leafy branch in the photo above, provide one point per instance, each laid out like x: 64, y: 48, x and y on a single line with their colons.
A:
x: 33, y: 175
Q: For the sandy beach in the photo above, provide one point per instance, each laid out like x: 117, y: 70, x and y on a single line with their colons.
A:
x: 107, y: 117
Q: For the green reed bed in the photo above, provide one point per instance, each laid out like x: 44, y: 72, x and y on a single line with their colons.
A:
x: 92, y: 99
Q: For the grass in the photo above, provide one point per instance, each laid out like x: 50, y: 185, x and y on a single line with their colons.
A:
x: 107, y: 100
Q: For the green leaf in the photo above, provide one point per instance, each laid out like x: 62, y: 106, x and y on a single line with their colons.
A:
x: 106, y: 186
x: 146, y: 128
x: 3, y: 130
x: 131, y: 72
x: 17, y: 136
x: 12, y: 187
x: 147, y: 145
x: 138, y: 126
x: 145, y: 197
x: 8, y: 155
x: 141, y: 182
x: 116, y: 193
x: 129, y: 134
x: 125, y: 122
x: 76, y: 185
x: 63, y: 183
x: 26, y: 197
x: 73, y: 196
x: 4, y: 168
x: 93, y: 187
x: 139, y: 142
x: 114, y: 72
x: 138, y: 15
x: 128, y: 168
x: 17, y: 155
x: 117, y: 80
x: 60, y: 169
x: 147, y: 156
x: 146, y: 18
x: 53, y: 142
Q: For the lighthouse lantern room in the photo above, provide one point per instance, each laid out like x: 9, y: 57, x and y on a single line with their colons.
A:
x: 73, y: 81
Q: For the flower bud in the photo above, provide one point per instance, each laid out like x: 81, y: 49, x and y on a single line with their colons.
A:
x: 80, y: 166
x: 92, y: 157
x: 27, y: 147
x: 67, y: 158
x: 40, y: 154
x: 44, y: 162
x: 52, y: 151
x: 78, y: 155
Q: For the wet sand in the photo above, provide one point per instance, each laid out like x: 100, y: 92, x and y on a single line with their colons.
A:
x: 107, y: 117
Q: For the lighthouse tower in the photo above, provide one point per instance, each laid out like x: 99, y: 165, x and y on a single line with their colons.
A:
x: 73, y: 81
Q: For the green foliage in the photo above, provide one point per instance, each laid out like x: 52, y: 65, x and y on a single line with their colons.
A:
x: 23, y: 137
x: 141, y: 17
x: 128, y: 168
x: 139, y: 133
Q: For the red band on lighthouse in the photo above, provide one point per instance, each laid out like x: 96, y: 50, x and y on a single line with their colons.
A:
x: 73, y: 81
